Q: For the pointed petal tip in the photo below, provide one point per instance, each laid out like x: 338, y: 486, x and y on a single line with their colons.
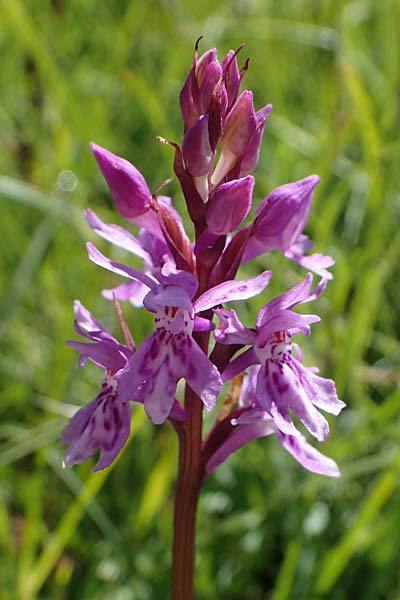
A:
x: 312, y: 180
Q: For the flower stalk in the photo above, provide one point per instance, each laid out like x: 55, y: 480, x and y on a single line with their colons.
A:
x: 186, y: 498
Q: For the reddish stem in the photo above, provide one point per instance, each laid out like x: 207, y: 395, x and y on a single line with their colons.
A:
x: 186, y: 497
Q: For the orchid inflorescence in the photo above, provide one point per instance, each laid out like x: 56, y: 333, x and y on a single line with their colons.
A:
x: 189, y: 285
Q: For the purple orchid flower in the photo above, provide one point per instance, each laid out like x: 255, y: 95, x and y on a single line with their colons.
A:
x: 171, y: 353
x: 283, y: 383
x: 105, y: 422
x: 255, y: 422
x: 279, y: 223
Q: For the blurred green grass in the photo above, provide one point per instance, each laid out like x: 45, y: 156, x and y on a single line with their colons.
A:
x: 111, y: 72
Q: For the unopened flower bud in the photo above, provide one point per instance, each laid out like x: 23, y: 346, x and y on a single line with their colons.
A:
x: 203, y: 63
x: 231, y: 77
x: 186, y: 101
x: 239, y: 128
x: 281, y: 217
x: 252, y: 153
x: 196, y: 148
x: 127, y: 185
x: 230, y: 205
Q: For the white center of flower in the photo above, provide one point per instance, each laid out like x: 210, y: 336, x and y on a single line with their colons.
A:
x: 276, y: 347
x: 175, y: 320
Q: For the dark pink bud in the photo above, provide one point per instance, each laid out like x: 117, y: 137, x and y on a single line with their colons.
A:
x: 186, y: 101
x: 203, y: 63
x: 240, y: 126
x: 230, y: 205
x: 231, y: 77
x: 212, y: 76
x: 252, y: 153
x: 127, y: 185
x: 196, y: 148
x: 281, y: 217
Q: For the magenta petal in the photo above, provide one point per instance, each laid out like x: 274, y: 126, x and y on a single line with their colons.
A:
x: 252, y: 152
x: 87, y: 326
x: 116, y: 235
x: 298, y: 294
x: 134, y: 291
x: 212, y: 75
x: 241, y: 363
x: 230, y: 205
x: 318, y: 263
x: 186, y: 101
x: 231, y: 77
x: 99, y: 259
x: 172, y: 276
x: 307, y: 456
x: 127, y: 185
x: 230, y: 330
x: 196, y: 149
x: 240, y: 124
x: 232, y: 290
x: 281, y: 218
x: 284, y: 320
x: 201, y: 324
x: 321, y: 391
x: 108, y: 355
x: 168, y: 295
x: 240, y: 436
x: 203, y: 63
x: 103, y: 424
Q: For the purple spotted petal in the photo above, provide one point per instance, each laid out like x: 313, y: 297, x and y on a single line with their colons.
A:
x: 104, y: 424
x: 232, y: 290
x: 199, y: 372
x: 279, y: 391
x: 156, y: 367
x: 321, y: 391
x: 272, y: 391
x: 148, y: 377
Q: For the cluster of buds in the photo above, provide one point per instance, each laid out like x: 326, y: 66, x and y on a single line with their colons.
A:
x: 188, y: 284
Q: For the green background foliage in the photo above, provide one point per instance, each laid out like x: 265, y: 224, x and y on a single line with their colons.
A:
x: 72, y: 71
